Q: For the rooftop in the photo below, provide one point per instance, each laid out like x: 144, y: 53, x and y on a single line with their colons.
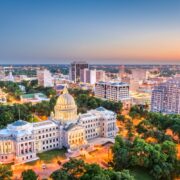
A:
x: 113, y: 83
x: 101, y: 109
x: 19, y: 123
x: 31, y: 96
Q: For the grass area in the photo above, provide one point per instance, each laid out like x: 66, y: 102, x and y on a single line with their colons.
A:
x: 48, y: 156
x: 141, y: 174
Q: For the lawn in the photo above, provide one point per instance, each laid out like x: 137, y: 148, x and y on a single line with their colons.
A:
x: 141, y: 174
x: 51, y: 155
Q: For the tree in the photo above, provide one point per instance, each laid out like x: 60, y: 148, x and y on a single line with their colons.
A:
x: 6, y: 117
x: 82, y: 99
x: 52, y: 103
x: 43, y: 108
x: 169, y: 148
x: 120, y: 117
x: 75, y: 168
x: 93, y: 171
x: 138, y: 112
x: 121, y: 157
x: 144, y: 126
x: 29, y: 175
x: 130, y: 129
x: 162, y: 171
x: 124, y: 175
x: 119, y: 175
x: 50, y: 92
x: 60, y: 175
x: 5, y: 172
x: 11, y: 88
x: 118, y: 107
x: 140, y: 155
x: 92, y: 104
x: 159, y: 158
x: 176, y: 129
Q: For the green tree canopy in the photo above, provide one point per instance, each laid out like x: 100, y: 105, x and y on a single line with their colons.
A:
x: 5, y: 172
x: 159, y: 159
x: 29, y: 175
x: 60, y: 175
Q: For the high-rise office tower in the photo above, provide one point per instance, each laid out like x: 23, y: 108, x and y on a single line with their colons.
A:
x: 75, y: 69
x: 113, y: 91
x: 166, y: 97
x: 88, y: 76
x: 100, y: 75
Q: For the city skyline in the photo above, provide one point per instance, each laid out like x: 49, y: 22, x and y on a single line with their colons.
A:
x: 118, y: 32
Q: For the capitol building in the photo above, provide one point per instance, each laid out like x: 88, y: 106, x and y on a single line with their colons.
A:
x: 21, y: 141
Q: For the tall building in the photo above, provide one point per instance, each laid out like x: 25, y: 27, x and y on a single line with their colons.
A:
x: 2, y: 74
x: 75, y: 69
x: 114, y: 91
x: 21, y: 141
x: 166, y: 97
x: 100, y: 75
x: 44, y: 78
x: 139, y: 74
x: 88, y: 76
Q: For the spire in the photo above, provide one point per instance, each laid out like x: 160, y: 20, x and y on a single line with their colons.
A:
x: 65, y: 91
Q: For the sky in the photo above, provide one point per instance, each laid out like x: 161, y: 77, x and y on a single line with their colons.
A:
x: 97, y: 31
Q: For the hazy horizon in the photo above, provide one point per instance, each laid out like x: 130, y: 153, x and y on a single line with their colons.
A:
x: 91, y: 63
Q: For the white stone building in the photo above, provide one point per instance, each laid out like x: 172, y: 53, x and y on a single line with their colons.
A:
x: 45, y: 78
x: 10, y: 77
x: 21, y: 141
x: 166, y: 97
x: 88, y: 76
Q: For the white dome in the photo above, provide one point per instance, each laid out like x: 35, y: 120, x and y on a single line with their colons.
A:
x: 65, y: 109
x: 65, y: 99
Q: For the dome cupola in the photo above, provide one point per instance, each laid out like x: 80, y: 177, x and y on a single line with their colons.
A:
x: 65, y: 108
x: 65, y: 100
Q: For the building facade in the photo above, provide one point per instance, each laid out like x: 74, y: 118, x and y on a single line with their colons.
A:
x: 88, y: 76
x: 75, y: 68
x: 2, y: 74
x: 10, y: 77
x: 44, y: 78
x: 166, y: 97
x: 100, y: 75
x: 33, y: 98
x: 113, y: 91
x: 21, y: 141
